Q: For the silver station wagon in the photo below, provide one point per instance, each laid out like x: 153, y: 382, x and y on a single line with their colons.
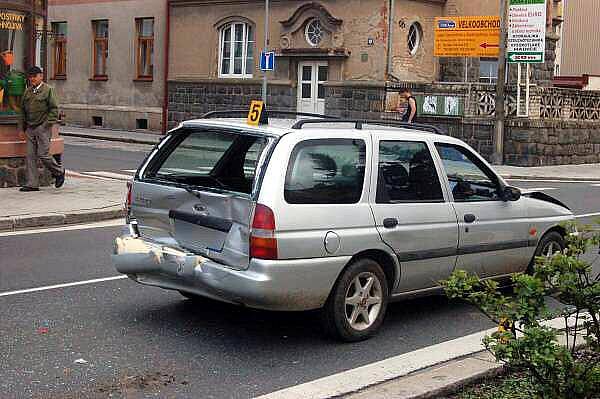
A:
x: 342, y: 216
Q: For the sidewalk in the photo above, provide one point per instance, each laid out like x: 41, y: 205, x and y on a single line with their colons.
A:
x: 80, y: 200
x: 587, y: 172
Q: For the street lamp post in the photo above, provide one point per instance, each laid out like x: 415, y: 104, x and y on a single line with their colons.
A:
x: 498, y: 137
x: 266, y: 47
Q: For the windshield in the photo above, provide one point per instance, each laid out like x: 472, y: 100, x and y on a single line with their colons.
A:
x: 212, y: 159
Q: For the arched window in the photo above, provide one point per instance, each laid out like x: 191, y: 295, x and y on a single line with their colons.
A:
x: 415, y: 33
x: 236, y: 50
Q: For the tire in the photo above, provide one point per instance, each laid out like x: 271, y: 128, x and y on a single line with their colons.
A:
x: 550, y: 243
x: 346, y: 304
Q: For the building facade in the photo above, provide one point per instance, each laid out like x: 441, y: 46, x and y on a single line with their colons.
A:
x: 355, y: 45
x: 580, y: 34
x: 106, y: 59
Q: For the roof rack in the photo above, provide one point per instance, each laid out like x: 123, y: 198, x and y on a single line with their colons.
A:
x: 236, y: 113
x: 358, y: 124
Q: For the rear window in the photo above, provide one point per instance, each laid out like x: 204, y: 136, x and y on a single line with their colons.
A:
x: 327, y: 171
x: 211, y: 159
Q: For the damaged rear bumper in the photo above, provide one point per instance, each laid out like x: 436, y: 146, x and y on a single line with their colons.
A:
x: 300, y: 284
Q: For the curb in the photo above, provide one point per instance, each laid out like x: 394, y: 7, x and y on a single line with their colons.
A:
x: 128, y: 140
x: 16, y: 223
x: 435, y: 381
x: 565, y: 179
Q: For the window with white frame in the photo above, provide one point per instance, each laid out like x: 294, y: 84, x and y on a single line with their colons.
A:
x: 236, y: 50
x: 488, y: 70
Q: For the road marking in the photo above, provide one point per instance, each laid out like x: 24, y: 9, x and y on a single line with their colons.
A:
x: 108, y: 223
x: 595, y: 185
x: 353, y: 380
x: 525, y: 189
x: 56, y: 286
x: 587, y: 215
x: 129, y: 170
x: 110, y: 175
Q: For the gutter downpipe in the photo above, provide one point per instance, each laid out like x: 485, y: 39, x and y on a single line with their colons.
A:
x: 165, y: 107
x: 392, y: 6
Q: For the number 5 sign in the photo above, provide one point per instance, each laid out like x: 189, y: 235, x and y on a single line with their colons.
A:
x: 256, y: 108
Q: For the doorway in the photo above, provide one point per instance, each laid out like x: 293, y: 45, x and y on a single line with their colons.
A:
x: 311, y: 91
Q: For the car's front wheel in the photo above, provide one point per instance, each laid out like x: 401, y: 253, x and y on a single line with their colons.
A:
x: 357, y: 304
x: 550, y: 243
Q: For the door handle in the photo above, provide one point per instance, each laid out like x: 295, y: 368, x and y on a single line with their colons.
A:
x: 390, y: 223
x: 470, y: 218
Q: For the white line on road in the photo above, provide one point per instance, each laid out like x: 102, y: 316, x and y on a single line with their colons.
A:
x: 56, y: 286
x: 109, y: 223
x: 129, y: 170
x: 595, y: 185
x: 587, y: 215
x: 525, y: 189
x: 110, y: 175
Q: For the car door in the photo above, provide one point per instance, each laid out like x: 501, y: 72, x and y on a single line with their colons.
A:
x: 412, y: 213
x: 493, y: 233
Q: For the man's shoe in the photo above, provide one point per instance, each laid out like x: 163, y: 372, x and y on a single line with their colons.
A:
x: 59, y: 180
x: 27, y: 189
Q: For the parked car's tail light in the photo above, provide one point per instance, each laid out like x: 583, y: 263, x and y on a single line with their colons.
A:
x: 128, y: 198
x: 263, y: 244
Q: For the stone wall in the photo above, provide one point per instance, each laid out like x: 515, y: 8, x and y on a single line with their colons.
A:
x: 189, y: 100
x: 13, y: 173
x: 355, y: 100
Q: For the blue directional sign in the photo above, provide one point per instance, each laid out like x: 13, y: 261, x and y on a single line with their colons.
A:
x: 267, y: 61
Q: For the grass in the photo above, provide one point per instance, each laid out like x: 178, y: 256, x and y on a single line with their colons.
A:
x: 511, y: 386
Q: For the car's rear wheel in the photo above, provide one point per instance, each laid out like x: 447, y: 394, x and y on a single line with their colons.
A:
x: 550, y: 243
x: 357, y: 304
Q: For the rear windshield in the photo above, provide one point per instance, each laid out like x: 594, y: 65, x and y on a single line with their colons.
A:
x: 210, y: 158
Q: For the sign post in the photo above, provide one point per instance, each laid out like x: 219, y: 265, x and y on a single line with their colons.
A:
x: 267, y: 61
x: 498, y: 137
x: 264, y: 87
x: 526, y: 31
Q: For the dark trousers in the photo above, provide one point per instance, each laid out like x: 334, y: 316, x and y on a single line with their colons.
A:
x: 38, y: 147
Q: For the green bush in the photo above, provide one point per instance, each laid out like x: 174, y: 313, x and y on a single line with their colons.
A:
x: 523, y: 340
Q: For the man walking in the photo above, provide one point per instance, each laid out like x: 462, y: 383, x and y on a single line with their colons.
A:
x: 39, y: 114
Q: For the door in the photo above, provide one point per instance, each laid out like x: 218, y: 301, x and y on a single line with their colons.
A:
x: 412, y: 214
x: 493, y: 234
x: 311, y: 91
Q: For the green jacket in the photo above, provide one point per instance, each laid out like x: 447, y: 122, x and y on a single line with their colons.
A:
x: 38, y: 108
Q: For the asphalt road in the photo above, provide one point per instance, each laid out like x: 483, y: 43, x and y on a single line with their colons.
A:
x: 120, y: 339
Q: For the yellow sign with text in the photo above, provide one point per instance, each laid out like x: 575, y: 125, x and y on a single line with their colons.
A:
x: 11, y: 20
x: 256, y: 108
x: 467, y: 36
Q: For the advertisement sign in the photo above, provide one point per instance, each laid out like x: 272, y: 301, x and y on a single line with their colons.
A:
x: 526, y: 31
x: 11, y: 20
x: 467, y: 36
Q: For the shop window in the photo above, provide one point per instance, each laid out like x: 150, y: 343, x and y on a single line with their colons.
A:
x: 488, y: 70
x: 13, y: 50
x: 145, y: 48
x: 236, y: 50
x: 100, y: 32
x: 415, y: 33
x: 59, y: 50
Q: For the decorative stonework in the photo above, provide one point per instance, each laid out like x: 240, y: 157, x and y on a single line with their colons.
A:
x: 295, y: 30
x: 13, y: 173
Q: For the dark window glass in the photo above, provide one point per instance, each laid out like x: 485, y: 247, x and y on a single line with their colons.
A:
x: 212, y: 159
x: 407, y: 173
x: 326, y: 172
x: 307, y: 73
x: 470, y: 179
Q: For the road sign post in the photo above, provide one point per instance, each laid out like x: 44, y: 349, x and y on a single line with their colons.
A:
x: 498, y: 137
x: 264, y: 88
x: 267, y: 61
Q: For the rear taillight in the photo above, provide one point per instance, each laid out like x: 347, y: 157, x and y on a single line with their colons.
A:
x: 263, y: 244
x: 128, y: 199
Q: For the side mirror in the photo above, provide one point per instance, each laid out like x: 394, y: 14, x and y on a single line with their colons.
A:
x: 511, y: 193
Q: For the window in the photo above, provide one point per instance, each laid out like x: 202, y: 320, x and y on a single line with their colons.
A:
x: 14, y: 47
x: 236, y: 59
x: 470, y: 179
x: 212, y: 159
x: 145, y: 48
x: 488, y: 70
x: 407, y: 173
x: 415, y: 32
x: 100, y: 31
x: 59, y: 29
x: 326, y: 172
x: 313, y: 32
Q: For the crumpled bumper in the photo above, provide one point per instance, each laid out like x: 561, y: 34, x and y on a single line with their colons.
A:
x: 301, y: 284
